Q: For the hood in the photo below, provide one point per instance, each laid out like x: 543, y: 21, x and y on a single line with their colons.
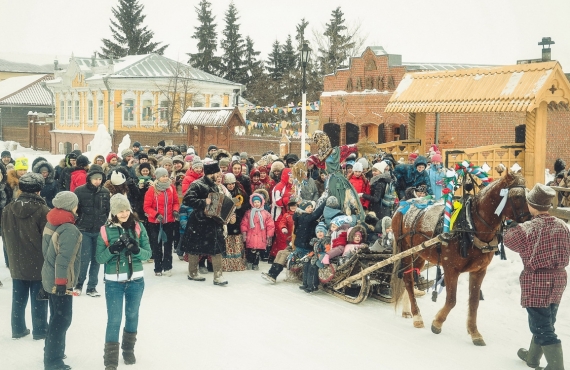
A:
x: 151, y: 171
x: 95, y: 169
x: 285, y: 174
x: 51, y: 172
x: 386, y: 177
x: 193, y: 174
x: 353, y: 230
x: 4, y: 173
x: 386, y: 223
x: 259, y: 195
x: 27, y: 204
x: 67, y: 162
x: 262, y: 192
x: 420, y: 160
x: 330, y: 213
x: 58, y: 216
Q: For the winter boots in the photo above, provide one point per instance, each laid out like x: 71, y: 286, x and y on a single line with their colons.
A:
x: 193, y: 268
x: 128, y: 347
x: 111, y: 356
x: 532, y: 355
x: 217, y: 264
x: 554, y: 357
x: 273, y: 272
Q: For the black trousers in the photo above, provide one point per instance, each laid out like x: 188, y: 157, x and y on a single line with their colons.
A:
x: 310, y: 276
x: 253, y: 255
x: 162, y: 259
x: 59, y: 321
x: 541, y: 321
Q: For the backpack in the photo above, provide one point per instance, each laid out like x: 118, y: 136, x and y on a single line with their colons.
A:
x: 390, y: 195
x: 106, y: 239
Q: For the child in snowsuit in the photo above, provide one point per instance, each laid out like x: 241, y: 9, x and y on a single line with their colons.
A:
x: 312, y: 264
x: 257, y: 228
x: 355, y: 240
x: 284, y: 229
x: 339, y: 226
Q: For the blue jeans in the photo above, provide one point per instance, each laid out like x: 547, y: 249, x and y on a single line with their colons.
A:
x: 115, y: 292
x: 541, y: 321
x: 21, y: 290
x: 88, y: 249
x: 61, y: 312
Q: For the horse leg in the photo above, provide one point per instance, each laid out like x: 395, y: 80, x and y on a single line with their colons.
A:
x: 475, y: 281
x: 413, y: 304
x: 451, y: 277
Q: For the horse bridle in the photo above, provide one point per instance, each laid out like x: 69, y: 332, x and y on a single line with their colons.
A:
x: 519, y: 217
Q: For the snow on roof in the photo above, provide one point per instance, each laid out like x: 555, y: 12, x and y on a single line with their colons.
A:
x: 25, y: 90
x: 211, y: 117
x: 8, y: 66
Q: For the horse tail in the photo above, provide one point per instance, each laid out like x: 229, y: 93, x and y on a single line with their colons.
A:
x: 397, y: 285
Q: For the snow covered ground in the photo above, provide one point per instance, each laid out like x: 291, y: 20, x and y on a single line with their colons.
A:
x: 251, y: 324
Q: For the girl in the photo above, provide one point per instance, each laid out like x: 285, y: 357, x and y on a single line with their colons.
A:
x: 355, y: 240
x: 257, y: 228
x: 240, y: 177
x: 233, y: 258
x: 122, y: 246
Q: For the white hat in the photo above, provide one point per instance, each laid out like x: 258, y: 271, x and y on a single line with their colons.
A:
x: 357, y: 167
x: 117, y: 178
x: 364, y: 162
x: 380, y: 166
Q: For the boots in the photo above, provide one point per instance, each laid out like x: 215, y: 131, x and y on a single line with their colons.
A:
x: 193, y: 268
x: 532, y: 355
x: 128, y: 347
x: 554, y: 357
x: 273, y: 272
x: 111, y: 356
x: 217, y: 264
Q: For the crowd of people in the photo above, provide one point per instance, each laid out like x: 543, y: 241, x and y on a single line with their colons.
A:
x: 121, y: 210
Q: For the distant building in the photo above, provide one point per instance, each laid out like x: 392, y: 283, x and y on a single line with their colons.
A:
x: 15, y: 69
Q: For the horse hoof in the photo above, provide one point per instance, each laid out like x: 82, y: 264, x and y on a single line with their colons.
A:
x: 479, y: 342
x: 407, y: 315
x: 435, y: 329
x: 419, y: 324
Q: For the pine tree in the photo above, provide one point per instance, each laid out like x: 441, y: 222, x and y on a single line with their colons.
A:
x: 301, y: 40
x: 253, y: 66
x: 233, y: 47
x: 274, y: 61
x: 339, y: 42
x: 130, y: 36
x: 288, y: 57
x: 205, y: 59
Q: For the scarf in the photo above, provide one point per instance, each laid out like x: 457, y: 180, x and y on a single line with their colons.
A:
x: 162, y: 186
x: 252, y: 215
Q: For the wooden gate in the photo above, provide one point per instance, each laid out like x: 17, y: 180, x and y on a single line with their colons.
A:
x: 42, y: 138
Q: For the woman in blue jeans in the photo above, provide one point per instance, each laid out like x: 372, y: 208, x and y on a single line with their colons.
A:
x: 122, y: 246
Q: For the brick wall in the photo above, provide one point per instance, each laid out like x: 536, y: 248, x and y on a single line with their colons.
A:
x: 557, y: 138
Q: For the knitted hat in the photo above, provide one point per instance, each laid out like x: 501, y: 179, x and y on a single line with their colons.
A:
x: 321, y: 227
x: 65, y: 200
x: 341, y: 220
x: 540, y: 197
x: 117, y: 178
x: 6, y: 153
x: 111, y: 156
x: 166, y: 160
x: 159, y: 172
x: 225, y: 162
x: 95, y: 170
x: 229, y: 178
x: 197, y: 163
x: 243, y: 155
x: 31, y: 182
x: 82, y: 161
x: 212, y: 147
x: 178, y: 159
x: 305, y: 204
x: 380, y: 166
x: 262, y: 169
x: 412, y: 156
x: 21, y: 164
x: 332, y: 202
x: 143, y: 155
x: 211, y: 168
x: 137, y: 144
x: 255, y: 197
x: 77, y: 152
x: 119, y: 203
x: 364, y: 162
x: 436, y: 158
x: 127, y: 152
x: 151, y: 151
x: 189, y: 158
x: 191, y: 151
x: 277, y: 166
x: 142, y: 166
x: 357, y: 167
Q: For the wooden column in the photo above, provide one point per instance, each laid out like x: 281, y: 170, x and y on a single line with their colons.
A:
x: 535, y: 145
x: 420, y: 128
x: 411, y: 126
x: 373, y: 133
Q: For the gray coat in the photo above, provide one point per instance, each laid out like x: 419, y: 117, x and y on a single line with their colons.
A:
x: 309, y: 190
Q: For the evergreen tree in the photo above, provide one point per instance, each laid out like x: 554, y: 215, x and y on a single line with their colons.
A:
x: 205, y: 59
x: 301, y: 40
x: 288, y: 57
x: 253, y: 66
x: 130, y: 37
x: 274, y: 61
x: 339, y: 42
x: 233, y: 47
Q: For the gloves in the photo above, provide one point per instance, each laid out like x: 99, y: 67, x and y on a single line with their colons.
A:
x: 176, y: 215
x: 116, y: 247
x: 284, y: 231
x: 511, y: 224
x: 60, y: 290
x: 133, y: 246
x: 269, y: 241
x: 159, y: 218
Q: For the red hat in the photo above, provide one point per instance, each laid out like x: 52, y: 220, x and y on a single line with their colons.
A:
x: 413, y: 156
x: 111, y: 156
x: 262, y: 169
x: 436, y: 158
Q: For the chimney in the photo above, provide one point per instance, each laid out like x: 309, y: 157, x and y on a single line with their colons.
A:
x: 546, y: 50
x: 236, y: 93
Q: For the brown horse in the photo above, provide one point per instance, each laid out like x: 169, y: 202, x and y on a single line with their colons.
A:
x: 419, y: 225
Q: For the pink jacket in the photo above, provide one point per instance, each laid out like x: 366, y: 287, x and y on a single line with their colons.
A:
x: 257, y: 237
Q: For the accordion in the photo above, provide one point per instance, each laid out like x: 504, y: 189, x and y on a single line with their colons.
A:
x: 220, y: 208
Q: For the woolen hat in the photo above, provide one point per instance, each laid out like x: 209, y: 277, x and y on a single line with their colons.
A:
x: 357, y: 167
x: 197, y: 163
x: 166, y: 160
x: 137, y: 144
x: 380, y: 166
x: 31, y: 182
x: 111, y: 156
x: 21, y: 164
x: 436, y: 158
x: 332, y: 202
x: 243, y: 155
x: 143, y: 155
x: 225, y: 162
x: 119, y: 203
x: 305, y: 204
x: 159, y: 172
x: 229, y: 178
x: 364, y: 162
x: 212, y: 147
x: 127, y: 152
x: 321, y: 227
x: 65, y: 200
x: 6, y: 153
x: 82, y: 161
x: 191, y: 151
x: 412, y: 156
x: 211, y: 168
x: 255, y: 197
x: 178, y: 158
x: 142, y: 166
x: 540, y: 197
x: 117, y: 178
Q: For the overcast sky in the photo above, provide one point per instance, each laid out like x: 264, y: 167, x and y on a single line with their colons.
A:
x: 475, y: 31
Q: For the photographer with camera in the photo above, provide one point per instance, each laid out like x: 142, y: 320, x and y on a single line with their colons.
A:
x: 122, y: 246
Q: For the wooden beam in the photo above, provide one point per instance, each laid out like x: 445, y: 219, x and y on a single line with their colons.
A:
x: 420, y: 129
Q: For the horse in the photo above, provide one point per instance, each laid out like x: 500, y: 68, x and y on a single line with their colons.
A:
x: 419, y: 225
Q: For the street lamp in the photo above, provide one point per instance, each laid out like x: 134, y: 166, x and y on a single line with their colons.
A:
x: 305, y: 52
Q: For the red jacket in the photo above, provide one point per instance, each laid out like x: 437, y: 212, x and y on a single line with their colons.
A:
x: 189, y: 178
x: 281, y: 194
x: 78, y: 178
x: 161, y: 203
x: 361, y: 185
x: 285, y: 221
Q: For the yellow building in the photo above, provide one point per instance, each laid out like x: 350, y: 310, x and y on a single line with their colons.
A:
x: 145, y: 93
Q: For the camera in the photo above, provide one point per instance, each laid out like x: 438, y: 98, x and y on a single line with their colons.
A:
x: 127, y: 241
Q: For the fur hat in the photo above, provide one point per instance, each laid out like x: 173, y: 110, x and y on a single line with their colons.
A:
x: 99, y: 156
x: 31, y: 182
x: 540, y: 197
x: 357, y: 167
x: 559, y: 164
x: 119, y: 203
x: 321, y: 227
x: 118, y: 178
x: 229, y: 178
x: 21, y: 164
x: 143, y: 155
x: 332, y: 202
x: 159, y: 172
x: 277, y: 166
x: 211, y: 168
x: 380, y: 166
x: 82, y: 161
x: 127, y: 152
x: 65, y: 200
x: 212, y: 147
x: 560, y: 175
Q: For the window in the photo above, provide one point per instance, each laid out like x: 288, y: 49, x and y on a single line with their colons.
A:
x: 76, y: 110
x: 68, y: 118
x: 215, y: 105
x: 76, y: 146
x: 100, y: 110
x: 90, y: 110
x: 62, y: 111
x: 164, y: 110
x: 198, y: 104
x: 61, y: 147
x: 147, y: 110
x: 128, y: 108
x: 88, y: 147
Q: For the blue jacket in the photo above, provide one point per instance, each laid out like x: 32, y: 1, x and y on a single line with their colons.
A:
x: 436, y: 175
x: 407, y: 176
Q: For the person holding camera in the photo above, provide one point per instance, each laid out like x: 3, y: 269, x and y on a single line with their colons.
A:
x: 61, y: 246
x: 122, y: 246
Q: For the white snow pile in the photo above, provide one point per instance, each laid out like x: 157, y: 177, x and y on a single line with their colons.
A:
x: 125, y: 144
x: 102, y: 142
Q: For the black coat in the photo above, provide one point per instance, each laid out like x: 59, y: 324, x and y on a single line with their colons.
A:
x: 203, y: 235
x: 94, y: 205
x: 378, y: 186
x: 51, y: 187
x: 305, y: 224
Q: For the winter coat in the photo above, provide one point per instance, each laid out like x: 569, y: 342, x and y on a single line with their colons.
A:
x: 13, y: 182
x: 407, y: 176
x: 61, y: 246
x: 235, y: 228
x: 93, y: 207
x: 189, y: 178
x: 257, y: 238
x: 23, y: 222
x: 203, y: 235
x: 305, y: 224
x: 129, y: 188
x: 281, y: 239
x: 330, y: 213
x: 544, y: 246
x: 309, y: 190
x: 51, y: 188
x: 351, y: 245
x: 108, y: 169
x: 116, y: 265
x: 281, y: 194
x: 436, y: 176
x: 362, y: 186
x: 177, y: 177
x: 130, y: 170
x: 245, y: 182
x: 64, y: 179
x: 163, y: 203
x: 78, y: 178
x: 378, y: 185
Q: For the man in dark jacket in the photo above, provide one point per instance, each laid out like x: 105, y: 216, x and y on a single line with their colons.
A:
x: 92, y: 212
x: 50, y: 188
x: 137, y: 150
x: 23, y: 223
x: 411, y: 176
x: 203, y: 235
x: 544, y: 246
x: 63, y: 173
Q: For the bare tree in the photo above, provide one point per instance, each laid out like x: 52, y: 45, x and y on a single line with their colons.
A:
x: 179, y: 92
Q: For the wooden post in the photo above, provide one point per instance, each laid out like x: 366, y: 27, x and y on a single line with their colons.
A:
x: 535, y: 145
x: 420, y: 129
